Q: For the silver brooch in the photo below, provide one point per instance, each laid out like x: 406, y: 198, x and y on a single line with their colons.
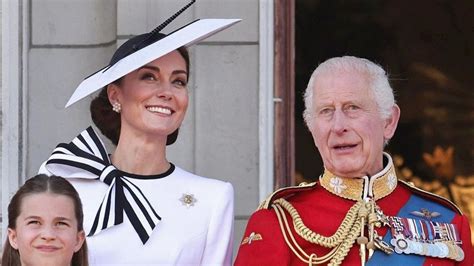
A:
x: 188, y: 200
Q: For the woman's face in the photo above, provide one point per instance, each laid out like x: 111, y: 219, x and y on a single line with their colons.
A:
x: 154, y: 98
x: 46, y: 230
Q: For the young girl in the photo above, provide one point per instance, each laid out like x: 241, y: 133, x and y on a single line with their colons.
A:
x: 45, y: 225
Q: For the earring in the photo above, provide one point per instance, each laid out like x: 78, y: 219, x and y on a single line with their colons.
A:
x: 116, y: 107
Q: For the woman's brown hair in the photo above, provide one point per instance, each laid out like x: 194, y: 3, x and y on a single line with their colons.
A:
x: 40, y: 184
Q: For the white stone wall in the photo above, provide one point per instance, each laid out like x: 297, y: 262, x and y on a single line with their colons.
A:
x: 1, y: 85
x: 11, y: 93
x: 1, y: 113
x: 69, y: 40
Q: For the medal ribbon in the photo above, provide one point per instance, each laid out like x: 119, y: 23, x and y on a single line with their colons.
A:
x: 415, y: 202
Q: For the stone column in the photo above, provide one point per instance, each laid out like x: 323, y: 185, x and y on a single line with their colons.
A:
x: 68, y: 41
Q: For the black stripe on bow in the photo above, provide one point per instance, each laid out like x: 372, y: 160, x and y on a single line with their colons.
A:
x: 142, y: 207
x: 98, y: 144
x: 76, y: 156
x: 122, y: 205
x: 75, y: 150
x: 83, y: 166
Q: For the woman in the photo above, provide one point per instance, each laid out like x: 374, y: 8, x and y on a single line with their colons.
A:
x: 140, y: 208
x: 45, y: 225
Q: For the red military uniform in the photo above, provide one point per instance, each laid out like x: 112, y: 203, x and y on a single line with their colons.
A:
x: 298, y: 225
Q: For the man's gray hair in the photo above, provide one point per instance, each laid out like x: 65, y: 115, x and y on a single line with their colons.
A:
x: 379, y: 85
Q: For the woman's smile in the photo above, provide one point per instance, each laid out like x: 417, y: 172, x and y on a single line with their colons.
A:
x: 160, y: 110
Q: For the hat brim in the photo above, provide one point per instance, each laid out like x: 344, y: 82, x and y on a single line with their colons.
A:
x: 185, y: 36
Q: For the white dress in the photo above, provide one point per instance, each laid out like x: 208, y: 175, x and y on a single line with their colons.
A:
x: 196, y: 226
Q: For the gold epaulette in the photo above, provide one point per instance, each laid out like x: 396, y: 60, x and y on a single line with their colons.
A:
x: 285, y: 193
x: 432, y: 196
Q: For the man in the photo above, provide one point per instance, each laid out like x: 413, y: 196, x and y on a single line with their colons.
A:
x: 358, y: 213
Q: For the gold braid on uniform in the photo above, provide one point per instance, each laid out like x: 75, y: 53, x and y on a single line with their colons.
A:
x: 362, y: 217
x: 341, y: 242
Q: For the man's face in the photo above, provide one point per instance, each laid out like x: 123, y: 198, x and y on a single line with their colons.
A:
x: 347, y: 127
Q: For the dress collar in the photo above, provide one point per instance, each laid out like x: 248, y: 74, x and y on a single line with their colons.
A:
x: 376, y: 187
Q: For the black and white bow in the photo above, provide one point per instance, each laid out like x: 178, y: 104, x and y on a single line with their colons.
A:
x: 86, y: 157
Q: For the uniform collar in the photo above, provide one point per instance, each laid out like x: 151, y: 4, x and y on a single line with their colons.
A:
x: 378, y: 186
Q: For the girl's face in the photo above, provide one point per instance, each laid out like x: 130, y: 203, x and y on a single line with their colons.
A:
x: 154, y: 98
x: 46, y: 230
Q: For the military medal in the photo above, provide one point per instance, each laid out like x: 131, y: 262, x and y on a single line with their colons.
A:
x: 431, y: 250
x: 452, y: 251
x: 425, y: 238
x: 400, y: 244
x: 417, y: 248
x: 460, y: 253
x: 443, y: 249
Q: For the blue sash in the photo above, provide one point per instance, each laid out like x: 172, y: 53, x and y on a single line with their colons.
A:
x: 414, y: 203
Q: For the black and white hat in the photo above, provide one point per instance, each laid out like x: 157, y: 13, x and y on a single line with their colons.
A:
x: 144, y: 48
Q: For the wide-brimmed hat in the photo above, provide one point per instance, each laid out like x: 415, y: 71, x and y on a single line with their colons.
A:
x: 148, y: 47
